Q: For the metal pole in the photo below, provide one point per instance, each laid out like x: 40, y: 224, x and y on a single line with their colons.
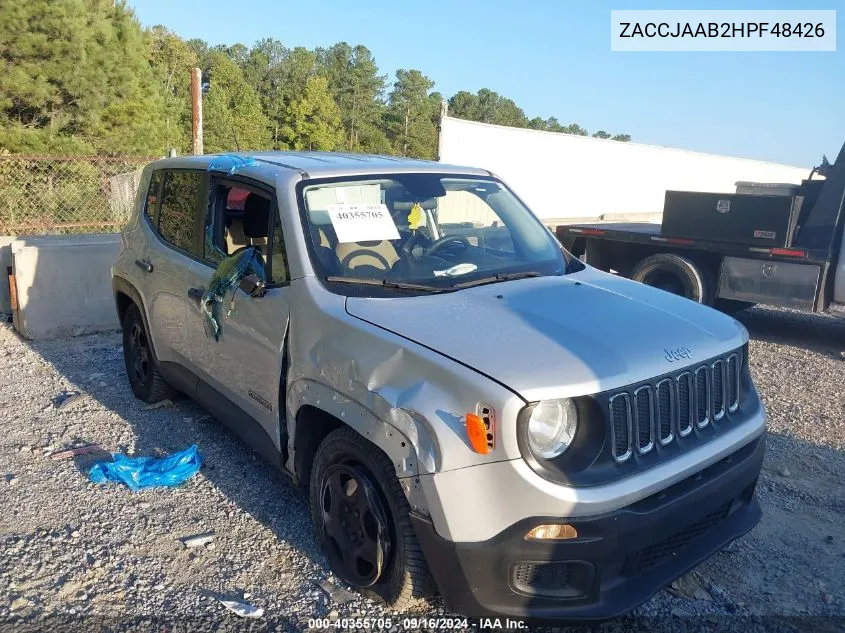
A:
x: 196, y: 109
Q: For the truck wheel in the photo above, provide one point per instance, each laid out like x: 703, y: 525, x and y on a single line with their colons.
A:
x: 141, y: 364
x: 675, y: 274
x: 361, y: 520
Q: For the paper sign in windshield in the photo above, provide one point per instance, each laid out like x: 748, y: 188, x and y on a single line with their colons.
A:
x: 362, y: 223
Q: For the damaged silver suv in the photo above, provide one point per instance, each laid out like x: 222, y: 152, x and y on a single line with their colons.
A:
x: 471, y: 409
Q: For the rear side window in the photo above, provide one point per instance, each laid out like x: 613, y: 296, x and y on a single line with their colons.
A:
x: 152, y: 195
x: 179, y: 203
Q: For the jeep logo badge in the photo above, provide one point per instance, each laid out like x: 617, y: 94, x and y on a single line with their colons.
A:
x: 678, y: 353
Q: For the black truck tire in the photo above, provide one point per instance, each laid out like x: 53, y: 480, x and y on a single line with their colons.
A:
x: 404, y: 580
x: 676, y: 274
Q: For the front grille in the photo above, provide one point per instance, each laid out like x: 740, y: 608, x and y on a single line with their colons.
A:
x: 733, y: 382
x: 665, y: 407
x: 657, y: 414
x: 620, y: 426
x: 643, y: 397
x: 717, y: 373
x: 653, y: 554
x: 702, y: 397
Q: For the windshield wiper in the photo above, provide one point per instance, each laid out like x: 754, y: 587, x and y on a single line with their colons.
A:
x: 384, y: 283
x: 496, y: 279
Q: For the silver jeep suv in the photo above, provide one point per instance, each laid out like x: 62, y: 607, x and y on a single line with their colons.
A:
x: 470, y: 409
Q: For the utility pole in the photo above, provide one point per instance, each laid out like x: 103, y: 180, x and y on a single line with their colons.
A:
x: 196, y: 110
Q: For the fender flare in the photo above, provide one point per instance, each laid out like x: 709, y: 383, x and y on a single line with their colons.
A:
x: 391, y: 440
x: 120, y: 284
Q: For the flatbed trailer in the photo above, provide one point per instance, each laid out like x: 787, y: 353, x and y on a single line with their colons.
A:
x: 806, y: 272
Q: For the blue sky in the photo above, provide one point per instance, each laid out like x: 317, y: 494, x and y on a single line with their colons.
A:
x: 553, y: 58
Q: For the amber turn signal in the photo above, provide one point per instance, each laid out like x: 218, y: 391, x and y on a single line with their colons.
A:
x: 477, y: 433
x: 552, y: 532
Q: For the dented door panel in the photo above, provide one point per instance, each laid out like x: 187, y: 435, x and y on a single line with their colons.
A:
x: 376, y: 381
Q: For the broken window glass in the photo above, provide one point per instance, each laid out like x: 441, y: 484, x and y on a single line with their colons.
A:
x: 227, y: 277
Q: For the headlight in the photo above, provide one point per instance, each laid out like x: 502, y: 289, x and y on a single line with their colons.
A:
x: 551, y: 427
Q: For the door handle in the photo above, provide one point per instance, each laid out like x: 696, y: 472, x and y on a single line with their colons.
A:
x: 144, y: 264
x: 196, y: 294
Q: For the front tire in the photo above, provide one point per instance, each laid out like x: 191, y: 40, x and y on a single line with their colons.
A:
x: 362, y: 522
x: 141, y: 364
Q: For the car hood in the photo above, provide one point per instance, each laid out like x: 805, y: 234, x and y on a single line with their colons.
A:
x: 547, y: 337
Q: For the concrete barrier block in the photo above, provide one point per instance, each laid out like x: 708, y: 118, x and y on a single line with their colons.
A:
x: 64, y: 285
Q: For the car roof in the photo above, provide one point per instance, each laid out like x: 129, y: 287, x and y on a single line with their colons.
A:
x: 267, y: 164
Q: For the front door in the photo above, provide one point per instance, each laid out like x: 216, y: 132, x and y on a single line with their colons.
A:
x: 244, y: 365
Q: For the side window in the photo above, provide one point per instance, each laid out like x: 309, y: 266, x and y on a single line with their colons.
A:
x: 245, y: 216
x: 179, y: 202
x: 152, y: 195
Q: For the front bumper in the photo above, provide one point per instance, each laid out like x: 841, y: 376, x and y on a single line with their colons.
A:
x: 619, y: 560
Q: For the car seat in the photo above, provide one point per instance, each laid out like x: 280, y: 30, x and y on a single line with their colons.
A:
x: 252, y: 228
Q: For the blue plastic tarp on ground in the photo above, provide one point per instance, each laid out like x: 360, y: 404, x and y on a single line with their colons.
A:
x: 149, y: 472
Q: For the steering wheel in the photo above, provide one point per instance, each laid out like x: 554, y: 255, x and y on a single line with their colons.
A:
x: 448, y: 239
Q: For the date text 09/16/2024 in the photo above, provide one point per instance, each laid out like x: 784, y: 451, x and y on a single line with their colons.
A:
x: 417, y: 623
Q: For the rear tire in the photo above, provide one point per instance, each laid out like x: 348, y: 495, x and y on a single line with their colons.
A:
x: 676, y: 274
x: 401, y: 579
x: 141, y: 363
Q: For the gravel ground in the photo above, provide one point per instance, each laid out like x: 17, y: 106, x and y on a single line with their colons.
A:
x: 79, y: 555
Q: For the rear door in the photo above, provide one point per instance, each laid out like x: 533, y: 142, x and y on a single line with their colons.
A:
x: 245, y: 365
x: 179, y: 207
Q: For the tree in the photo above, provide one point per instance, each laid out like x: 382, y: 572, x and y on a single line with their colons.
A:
x: 76, y: 79
x: 313, y: 121
x: 412, y: 115
x: 358, y: 90
x: 537, y: 123
x: 264, y: 71
x: 574, y: 128
x: 83, y: 76
x: 232, y: 115
x: 622, y: 137
x: 464, y: 105
x: 172, y: 59
x: 487, y: 107
x: 553, y: 125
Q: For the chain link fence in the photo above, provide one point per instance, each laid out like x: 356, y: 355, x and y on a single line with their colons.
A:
x: 49, y: 195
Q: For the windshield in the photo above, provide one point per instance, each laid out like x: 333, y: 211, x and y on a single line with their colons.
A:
x: 425, y: 232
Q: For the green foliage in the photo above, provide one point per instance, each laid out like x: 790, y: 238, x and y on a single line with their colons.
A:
x: 76, y: 78
x: 171, y: 59
x: 412, y: 115
x: 358, y: 90
x: 232, y: 115
x: 313, y: 120
x: 487, y: 106
x: 82, y: 76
